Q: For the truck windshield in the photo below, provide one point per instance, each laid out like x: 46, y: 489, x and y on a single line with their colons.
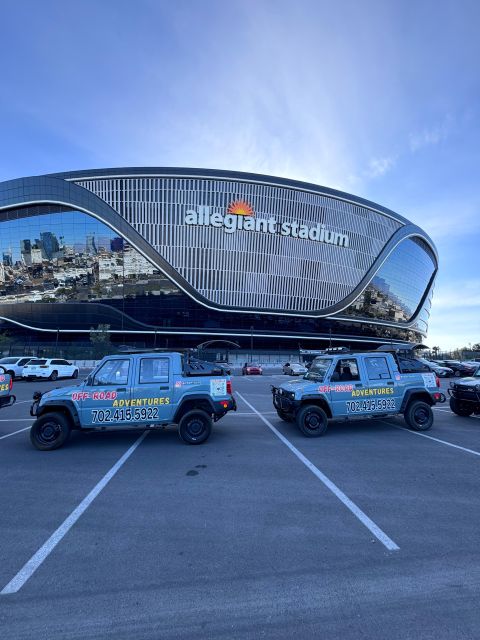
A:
x: 318, y: 369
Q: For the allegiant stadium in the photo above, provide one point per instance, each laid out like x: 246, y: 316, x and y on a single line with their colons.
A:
x: 187, y: 255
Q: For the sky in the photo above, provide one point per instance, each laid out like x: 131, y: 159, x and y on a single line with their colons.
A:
x: 378, y: 98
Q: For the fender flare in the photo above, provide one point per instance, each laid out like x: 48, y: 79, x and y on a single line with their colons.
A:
x: 204, y: 397
x: 317, y: 399
x: 68, y: 405
x: 422, y: 394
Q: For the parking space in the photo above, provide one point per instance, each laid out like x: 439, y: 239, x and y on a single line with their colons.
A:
x: 241, y: 537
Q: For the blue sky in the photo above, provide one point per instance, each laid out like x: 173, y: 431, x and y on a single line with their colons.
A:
x: 377, y: 98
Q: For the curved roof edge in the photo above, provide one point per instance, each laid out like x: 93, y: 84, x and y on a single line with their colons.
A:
x: 224, y: 175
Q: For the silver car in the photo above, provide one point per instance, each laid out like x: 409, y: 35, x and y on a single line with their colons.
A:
x: 294, y: 369
x: 14, y: 366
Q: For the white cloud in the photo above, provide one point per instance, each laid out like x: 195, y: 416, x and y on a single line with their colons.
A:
x: 379, y: 166
x: 431, y: 136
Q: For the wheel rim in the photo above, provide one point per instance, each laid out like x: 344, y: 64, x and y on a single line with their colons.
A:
x: 312, y: 421
x: 421, y: 416
x: 195, y: 427
x: 48, y: 432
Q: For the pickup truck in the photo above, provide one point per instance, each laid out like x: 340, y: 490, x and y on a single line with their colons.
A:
x: 355, y: 385
x: 6, y: 384
x: 141, y: 389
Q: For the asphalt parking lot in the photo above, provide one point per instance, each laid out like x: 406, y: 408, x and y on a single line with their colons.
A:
x: 259, y: 533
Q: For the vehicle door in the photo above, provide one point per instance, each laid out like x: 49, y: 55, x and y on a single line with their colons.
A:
x: 152, y: 398
x: 57, y: 365
x: 383, y: 389
x: 344, y: 380
x: 105, y: 398
x: 63, y: 369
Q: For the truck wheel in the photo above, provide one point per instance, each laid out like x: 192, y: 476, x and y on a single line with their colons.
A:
x: 418, y: 416
x: 195, y: 427
x: 460, y: 408
x: 284, y: 416
x: 50, y: 431
x: 312, y: 421
x: 53, y: 376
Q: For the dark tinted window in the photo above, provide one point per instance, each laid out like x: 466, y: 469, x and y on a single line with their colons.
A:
x: 411, y: 365
x: 37, y: 362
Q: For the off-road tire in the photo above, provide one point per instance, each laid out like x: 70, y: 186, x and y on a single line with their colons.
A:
x: 195, y: 427
x: 418, y: 415
x: 50, y: 431
x: 312, y: 421
x: 460, y: 408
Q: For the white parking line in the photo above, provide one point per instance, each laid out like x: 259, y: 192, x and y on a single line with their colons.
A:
x: 357, y: 512
x: 424, y: 435
x: 248, y: 413
x: 45, y: 550
x: 13, y: 433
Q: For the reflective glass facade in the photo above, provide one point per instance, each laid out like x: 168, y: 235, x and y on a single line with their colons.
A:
x: 399, y: 287
x: 76, y: 253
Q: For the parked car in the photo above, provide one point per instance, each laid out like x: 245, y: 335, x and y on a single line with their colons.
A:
x: 135, y: 390
x: 294, y: 369
x: 460, y: 369
x: 226, y: 366
x: 251, y: 369
x: 358, y: 385
x: 51, y: 368
x: 14, y: 366
x: 465, y: 395
x: 441, y: 372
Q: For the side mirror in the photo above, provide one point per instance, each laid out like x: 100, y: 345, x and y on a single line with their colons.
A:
x: 88, y: 381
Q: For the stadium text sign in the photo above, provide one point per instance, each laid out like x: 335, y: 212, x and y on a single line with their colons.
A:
x: 232, y: 222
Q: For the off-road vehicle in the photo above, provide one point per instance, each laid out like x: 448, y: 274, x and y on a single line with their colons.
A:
x: 353, y: 385
x: 141, y: 389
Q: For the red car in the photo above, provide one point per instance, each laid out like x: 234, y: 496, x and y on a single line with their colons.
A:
x: 250, y: 369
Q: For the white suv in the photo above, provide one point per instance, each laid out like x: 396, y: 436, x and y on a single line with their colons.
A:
x: 14, y: 366
x: 50, y: 368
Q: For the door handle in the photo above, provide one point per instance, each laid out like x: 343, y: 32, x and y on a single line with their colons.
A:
x: 163, y: 388
x: 122, y: 389
x: 359, y: 384
x: 390, y: 383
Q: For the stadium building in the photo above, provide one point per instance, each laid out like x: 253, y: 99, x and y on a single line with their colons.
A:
x: 187, y: 255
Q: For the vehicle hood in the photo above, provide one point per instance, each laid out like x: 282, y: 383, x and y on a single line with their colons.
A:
x: 296, y: 385
x: 467, y: 382
x: 65, y: 392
